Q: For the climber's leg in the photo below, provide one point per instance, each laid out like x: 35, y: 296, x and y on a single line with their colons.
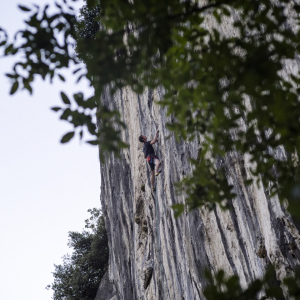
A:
x: 157, y: 165
x: 152, y: 180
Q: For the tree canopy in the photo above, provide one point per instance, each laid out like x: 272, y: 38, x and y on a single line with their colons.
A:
x: 227, y: 88
x: 224, y: 287
x: 80, y: 274
x: 230, y: 89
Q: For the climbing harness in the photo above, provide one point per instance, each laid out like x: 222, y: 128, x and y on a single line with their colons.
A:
x: 150, y: 158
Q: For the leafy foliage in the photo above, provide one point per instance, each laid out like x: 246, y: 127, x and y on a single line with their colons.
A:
x: 229, y: 288
x: 87, y: 26
x: 223, y: 288
x: 80, y: 274
x: 226, y: 89
x: 42, y: 49
x: 209, y: 79
x: 45, y: 47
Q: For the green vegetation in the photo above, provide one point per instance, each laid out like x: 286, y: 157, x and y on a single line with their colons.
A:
x: 223, y: 288
x: 229, y: 288
x: 226, y: 90
x: 80, y: 274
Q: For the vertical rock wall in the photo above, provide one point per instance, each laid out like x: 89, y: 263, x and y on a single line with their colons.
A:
x: 155, y: 256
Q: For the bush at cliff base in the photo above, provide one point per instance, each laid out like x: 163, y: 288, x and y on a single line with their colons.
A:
x: 79, y: 276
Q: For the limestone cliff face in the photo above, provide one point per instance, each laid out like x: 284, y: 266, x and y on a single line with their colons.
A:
x: 155, y: 256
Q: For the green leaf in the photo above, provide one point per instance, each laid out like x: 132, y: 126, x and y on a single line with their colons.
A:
x: 62, y: 78
x: 93, y: 142
x: 64, y: 98
x: 178, y: 209
x: 65, y: 115
x: 55, y: 108
x: 77, y: 70
x: 24, y: 8
x: 78, y: 97
x: 14, y: 87
x: 11, y: 75
x: 67, y: 137
x: 80, y: 77
x: 8, y: 49
x: 28, y: 87
x: 59, y: 6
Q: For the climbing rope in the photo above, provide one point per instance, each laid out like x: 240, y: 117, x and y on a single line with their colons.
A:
x: 158, y: 237
x: 158, y: 242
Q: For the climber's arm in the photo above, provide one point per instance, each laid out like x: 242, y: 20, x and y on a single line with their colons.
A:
x: 155, y: 138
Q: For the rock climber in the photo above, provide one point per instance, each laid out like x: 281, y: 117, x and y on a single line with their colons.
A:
x: 149, y: 154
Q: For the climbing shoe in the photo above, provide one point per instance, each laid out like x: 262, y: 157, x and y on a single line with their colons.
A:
x: 153, y: 190
x: 158, y: 173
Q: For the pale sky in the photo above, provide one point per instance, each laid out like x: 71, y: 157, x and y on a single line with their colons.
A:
x: 46, y: 188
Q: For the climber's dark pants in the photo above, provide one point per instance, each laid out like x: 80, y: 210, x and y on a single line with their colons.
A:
x: 151, y: 161
x: 155, y: 164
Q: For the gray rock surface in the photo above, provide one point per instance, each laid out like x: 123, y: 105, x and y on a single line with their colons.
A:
x: 106, y: 289
x: 155, y: 256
